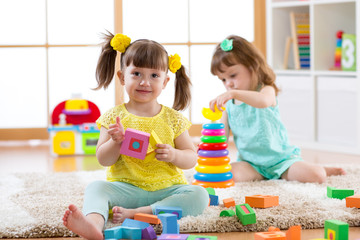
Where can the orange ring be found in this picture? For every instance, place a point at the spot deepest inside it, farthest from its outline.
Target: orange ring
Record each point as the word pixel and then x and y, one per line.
pixel 224 184
pixel 213 169
pixel 213 161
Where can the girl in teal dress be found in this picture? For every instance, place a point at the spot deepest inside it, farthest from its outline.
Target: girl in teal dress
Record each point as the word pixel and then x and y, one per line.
pixel 252 115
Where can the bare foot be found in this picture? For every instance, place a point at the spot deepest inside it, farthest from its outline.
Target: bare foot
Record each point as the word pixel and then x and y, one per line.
pixel 120 214
pixel 333 171
pixel 76 222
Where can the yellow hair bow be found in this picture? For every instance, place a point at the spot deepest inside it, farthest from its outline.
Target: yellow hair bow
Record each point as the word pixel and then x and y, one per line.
pixel 120 42
pixel 174 63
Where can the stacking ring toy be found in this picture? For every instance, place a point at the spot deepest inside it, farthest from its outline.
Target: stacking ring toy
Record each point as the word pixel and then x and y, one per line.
pixel 213 177
pixel 225 184
pixel 213 116
pixel 213 139
pixel 213 126
pixel 213 153
pixel 213 169
pixel 213 161
pixel 213 132
pixel 213 146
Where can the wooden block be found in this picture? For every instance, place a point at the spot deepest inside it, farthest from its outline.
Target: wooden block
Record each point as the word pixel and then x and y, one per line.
pixel 229 202
pixel 149 218
pixel 353 201
pixel 262 201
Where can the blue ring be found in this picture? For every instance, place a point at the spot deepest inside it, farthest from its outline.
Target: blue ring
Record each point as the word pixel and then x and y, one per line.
pixel 213 126
pixel 213 177
pixel 213 153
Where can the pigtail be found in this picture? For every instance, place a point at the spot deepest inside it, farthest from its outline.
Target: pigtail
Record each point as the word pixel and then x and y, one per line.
pixel 182 90
pixel 105 68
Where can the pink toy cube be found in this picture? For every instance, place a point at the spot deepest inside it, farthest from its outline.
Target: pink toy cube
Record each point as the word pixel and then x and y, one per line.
pixel 135 143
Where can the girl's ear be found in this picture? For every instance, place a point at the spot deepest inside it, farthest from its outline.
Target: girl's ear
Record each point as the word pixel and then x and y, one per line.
pixel 167 79
pixel 121 77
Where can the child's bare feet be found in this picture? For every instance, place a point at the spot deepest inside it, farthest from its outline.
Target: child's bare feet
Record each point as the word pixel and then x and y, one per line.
pixel 120 213
pixel 76 222
pixel 333 171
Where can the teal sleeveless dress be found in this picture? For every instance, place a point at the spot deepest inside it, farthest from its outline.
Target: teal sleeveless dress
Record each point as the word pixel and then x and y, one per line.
pixel 261 139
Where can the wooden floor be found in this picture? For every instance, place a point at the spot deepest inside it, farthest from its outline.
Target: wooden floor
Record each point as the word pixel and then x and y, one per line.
pixel 33 156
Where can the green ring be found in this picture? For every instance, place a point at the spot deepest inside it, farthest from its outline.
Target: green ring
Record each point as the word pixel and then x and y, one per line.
pixel 213 139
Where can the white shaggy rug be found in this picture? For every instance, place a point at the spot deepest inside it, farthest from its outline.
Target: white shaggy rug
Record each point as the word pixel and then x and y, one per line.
pixel 32 204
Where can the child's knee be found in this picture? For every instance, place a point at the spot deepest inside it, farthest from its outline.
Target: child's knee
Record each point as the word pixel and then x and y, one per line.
pixel 200 200
pixel 96 187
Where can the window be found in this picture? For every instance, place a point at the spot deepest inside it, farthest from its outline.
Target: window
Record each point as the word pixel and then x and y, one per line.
pixel 49 53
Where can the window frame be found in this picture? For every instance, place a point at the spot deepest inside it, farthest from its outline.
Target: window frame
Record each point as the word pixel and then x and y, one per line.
pixel 42 133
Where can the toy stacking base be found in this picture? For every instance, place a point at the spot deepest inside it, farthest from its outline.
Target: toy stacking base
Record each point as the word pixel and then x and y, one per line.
pixel 224 184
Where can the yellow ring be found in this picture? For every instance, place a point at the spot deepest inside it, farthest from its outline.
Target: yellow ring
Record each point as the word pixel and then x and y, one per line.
pixel 213 169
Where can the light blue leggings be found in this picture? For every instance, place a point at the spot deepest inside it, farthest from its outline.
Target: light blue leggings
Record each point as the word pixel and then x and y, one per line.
pixel 100 196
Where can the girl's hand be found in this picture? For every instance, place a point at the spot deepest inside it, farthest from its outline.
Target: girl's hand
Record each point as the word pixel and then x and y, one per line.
pixel 116 131
pixel 220 101
pixel 165 153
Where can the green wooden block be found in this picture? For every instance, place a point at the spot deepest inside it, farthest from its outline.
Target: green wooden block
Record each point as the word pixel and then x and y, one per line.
pixel 339 193
pixel 210 191
pixel 245 214
pixel 335 229
pixel 227 213
pixel 348 52
pixel 194 237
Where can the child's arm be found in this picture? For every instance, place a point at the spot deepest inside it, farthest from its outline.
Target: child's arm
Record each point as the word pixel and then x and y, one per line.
pixel 184 154
pixel 264 98
pixel 109 143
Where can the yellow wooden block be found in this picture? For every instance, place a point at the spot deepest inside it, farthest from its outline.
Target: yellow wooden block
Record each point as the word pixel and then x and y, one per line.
pixel 153 140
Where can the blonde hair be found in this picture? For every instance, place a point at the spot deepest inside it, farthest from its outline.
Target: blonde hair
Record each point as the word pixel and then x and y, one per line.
pixel 245 53
pixel 142 53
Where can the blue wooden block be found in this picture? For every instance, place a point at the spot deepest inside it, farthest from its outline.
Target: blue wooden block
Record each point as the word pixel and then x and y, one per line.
pixel 174 210
pixel 113 233
pixel 134 223
pixel 214 200
pixel 169 223
pixel 131 232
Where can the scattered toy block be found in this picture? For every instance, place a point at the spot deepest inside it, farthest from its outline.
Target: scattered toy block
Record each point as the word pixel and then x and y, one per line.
pixel 134 223
pixel 339 193
pixel 294 233
pixel 229 202
pixel 113 233
pixel 135 143
pixel 131 232
pixel 227 213
pixel 274 235
pixel 173 236
pixel 153 140
pixel 353 201
pixel 174 210
pixel 210 190
pixel 201 237
pixel 169 223
pixel 337 230
pixel 148 233
pixel 245 214
pixel 273 229
pixel 149 218
pixel 262 201
pixel 214 200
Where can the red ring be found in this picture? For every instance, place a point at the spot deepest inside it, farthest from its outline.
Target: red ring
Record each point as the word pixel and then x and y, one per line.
pixel 213 146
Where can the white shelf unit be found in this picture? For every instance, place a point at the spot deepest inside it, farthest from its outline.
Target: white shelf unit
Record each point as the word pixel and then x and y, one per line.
pixel 320 107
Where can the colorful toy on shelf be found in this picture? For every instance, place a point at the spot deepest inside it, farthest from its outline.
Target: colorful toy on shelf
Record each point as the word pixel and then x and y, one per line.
pixel 300 39
pixel 73 129
pixel 337 60
pixel 213 169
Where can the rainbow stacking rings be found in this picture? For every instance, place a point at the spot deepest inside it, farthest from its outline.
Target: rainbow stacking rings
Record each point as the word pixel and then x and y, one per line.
pixel 213 161
pixel 213 146
pixel 213 132
pixel 213 169
pixel 213 177
pixel 213 139
pixel 213 126
pixel 213 153
pixel 225 184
